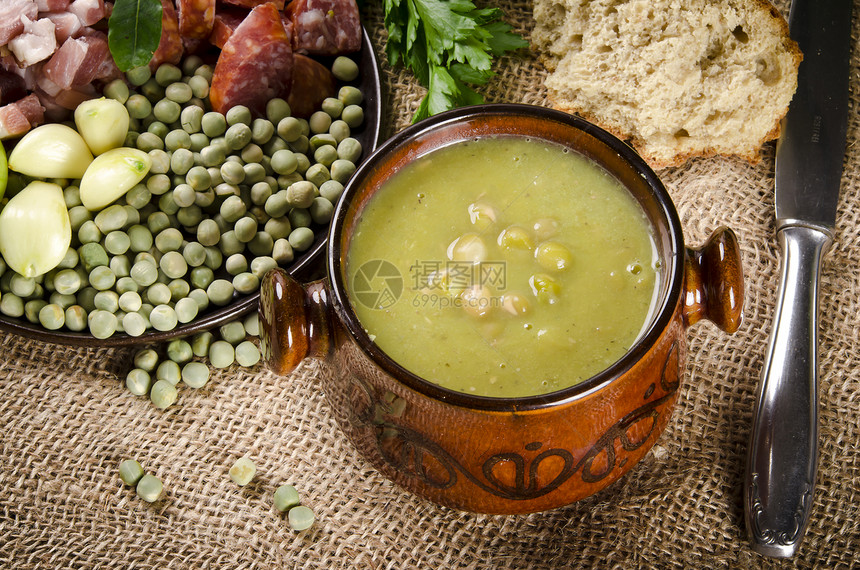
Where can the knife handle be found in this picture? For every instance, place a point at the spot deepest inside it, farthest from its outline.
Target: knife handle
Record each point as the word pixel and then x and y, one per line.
pixel 782 455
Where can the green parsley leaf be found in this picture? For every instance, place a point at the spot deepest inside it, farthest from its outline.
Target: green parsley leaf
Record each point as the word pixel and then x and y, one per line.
pixel 449 45
pixel 134 32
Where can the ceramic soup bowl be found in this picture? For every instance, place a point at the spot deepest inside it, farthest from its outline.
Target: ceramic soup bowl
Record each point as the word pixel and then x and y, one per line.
pixel 503 454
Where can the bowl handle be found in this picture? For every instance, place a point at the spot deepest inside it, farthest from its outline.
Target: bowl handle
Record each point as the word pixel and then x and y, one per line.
pixel 294 321
pixel 713 287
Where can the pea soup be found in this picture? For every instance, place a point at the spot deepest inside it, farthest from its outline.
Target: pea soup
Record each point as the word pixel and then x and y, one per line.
pixel 504 267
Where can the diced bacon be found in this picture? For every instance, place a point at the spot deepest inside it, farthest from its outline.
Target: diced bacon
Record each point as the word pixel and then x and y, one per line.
pixel 88 11
pixel 71 98
pixel 12 16
pixel 53 111
pixel 325 27
pixel 251 4
pixel 52 5
pixel 44 83
pixel 12 87
pixel 170 47
pixel 36 43
pixel 66 25
pixel 78 61
pixel 32 109
pixel 13 123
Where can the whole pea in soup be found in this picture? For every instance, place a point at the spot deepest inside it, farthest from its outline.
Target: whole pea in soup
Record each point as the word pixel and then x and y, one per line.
pixel 503 267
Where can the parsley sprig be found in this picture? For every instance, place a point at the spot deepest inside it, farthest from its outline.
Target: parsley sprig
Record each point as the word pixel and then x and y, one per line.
pixel 449 45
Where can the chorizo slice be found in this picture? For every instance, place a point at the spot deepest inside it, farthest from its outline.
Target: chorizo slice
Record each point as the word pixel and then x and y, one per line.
pixel 255 65
pixel 312 83
pixel 196 18
pixel 325 27
pixel 170 48
pixel 251 4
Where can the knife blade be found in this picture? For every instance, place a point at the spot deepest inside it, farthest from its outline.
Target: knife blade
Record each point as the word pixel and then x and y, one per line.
pixel 782 455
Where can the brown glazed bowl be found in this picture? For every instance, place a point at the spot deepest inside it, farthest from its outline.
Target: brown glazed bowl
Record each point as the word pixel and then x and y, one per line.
pixel 496 455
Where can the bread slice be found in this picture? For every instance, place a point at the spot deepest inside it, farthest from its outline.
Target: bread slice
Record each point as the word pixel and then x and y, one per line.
pixel 675 78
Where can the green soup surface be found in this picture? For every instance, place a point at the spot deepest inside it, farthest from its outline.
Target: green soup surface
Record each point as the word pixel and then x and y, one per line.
pixel 504 267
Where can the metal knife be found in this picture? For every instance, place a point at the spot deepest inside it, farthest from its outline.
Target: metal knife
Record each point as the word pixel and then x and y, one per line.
pixel 782 456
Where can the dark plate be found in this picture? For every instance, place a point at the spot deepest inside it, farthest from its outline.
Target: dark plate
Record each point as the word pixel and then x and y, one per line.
pixel 367 134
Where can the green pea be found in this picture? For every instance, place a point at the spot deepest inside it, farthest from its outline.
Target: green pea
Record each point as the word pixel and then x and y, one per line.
pixel 184 195
pixel 72 196
pixel 261 244
pixel 238 114
pixel 85 299
pixel 140 238
pixel 76 318
pixel 52 316
pixel 289 129
pixel 63 301
pixel 195 374
pixel 232 172
pixel 102 278
pixel 545 288
pixel 319 122
pixel 130 471
pixel 89 233
pixel 67 281
pixel 278 228
pixel 168 111
pixel 102 324
pixel 199 86
pixel 220 292
pixel 169 239
pixel 117 242
pixel 321 210
pixel 286 497
pixel 300 518
pixel 553 256
pixel 213 124
pixel 134 324
pixel 159 184
pixel 130 301
pixel 199 141
pixel 179 289
pixel 254 172
pixel 158 129
pixel 277 204
pixel 181 161
pixel 247 354
pixel 137 76
pixel 107 301
pixel 69 261
pixel 300 218
pixel 246 229
pixel 353 115
pixel 237 136
pixel 242 471
pixel 147 359
pixel 214 258
pixel 262 130
pixel 167 73
pixel 221 354
pixel 194 254
pixel 186 309
pixel 77 216
pixel 301 238
pixel 160 165
pixel 339 130
pixel 260 192
pixel 236 264
pixel 32 309
pixel 277 109
pixel 331 190
pixel 325 155
pixel 138 106
pixel 318 174
pixel 350 95
pixel 179 92
pixel 201 342
pixel 176 139
pixel 341 170
pixel 163 394
pixel 301 194
pixel 252 153
pixel 349 149
pixel 163 318
pixel 252 324
pixel 138 382
pixel 125 284
pixel 158 294
pixel 344 68
pixel 169 371
pixel 173 264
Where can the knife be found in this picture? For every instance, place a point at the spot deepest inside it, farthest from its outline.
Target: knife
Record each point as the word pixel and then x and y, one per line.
pixel 782 455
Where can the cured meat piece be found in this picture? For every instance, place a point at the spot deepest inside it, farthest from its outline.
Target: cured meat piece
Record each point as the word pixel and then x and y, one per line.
pixel 312 83
pixel 12 87
pixel 36 43
pixel 71 98
pixel 325 27
pixel 251 4
pixel 255 65
pixel 66 25
pixel 88 11
pixel 170 47
pixel 196 18
pixel 228 19
pixel 52 5
pixel 20 116
pixel 78 61
pixel 12 14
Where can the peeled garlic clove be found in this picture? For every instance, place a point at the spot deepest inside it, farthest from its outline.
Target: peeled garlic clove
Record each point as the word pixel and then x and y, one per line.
pixel 35 232
pixel 103 124
pixel 111 175
pixel 51 151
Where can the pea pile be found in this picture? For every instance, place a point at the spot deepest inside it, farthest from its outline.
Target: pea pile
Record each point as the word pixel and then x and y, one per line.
pixel 157 376
pixel 227 198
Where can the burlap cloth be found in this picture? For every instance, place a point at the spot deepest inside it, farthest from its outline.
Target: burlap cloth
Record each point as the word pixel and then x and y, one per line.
pixel 66 420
